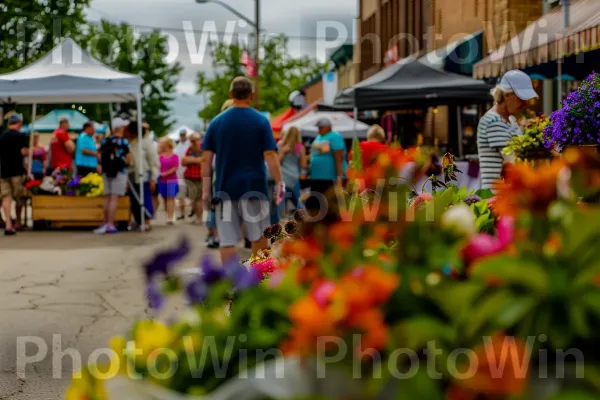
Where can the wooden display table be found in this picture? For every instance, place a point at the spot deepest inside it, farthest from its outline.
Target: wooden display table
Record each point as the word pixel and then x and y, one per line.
pixel 74 211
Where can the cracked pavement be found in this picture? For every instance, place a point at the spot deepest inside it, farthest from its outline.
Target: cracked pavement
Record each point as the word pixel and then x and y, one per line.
pixel 64 290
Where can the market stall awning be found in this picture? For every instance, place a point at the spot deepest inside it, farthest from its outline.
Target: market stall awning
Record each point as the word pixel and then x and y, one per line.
pixel 67 74
pixel 458 56
pixel 547 40
pixel 50 121
pixel 410 83
pixel 278 121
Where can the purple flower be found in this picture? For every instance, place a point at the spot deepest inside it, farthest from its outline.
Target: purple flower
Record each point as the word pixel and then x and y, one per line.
pixel 472 199
pixel 211 271
pixel 196 290
pixel 163 261
pixel 241 277
pixel 154 296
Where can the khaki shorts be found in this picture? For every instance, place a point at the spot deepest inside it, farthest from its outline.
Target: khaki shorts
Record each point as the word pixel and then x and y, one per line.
pixel 254 214
pixel 194 189
pixel 12 187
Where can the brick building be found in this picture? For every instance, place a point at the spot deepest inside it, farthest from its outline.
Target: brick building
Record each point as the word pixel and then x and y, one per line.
pixel 389 30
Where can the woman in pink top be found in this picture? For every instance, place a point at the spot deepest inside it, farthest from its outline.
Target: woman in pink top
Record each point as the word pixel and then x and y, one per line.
pixel 167 182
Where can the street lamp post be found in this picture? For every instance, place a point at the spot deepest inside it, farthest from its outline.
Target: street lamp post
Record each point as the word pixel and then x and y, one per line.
pixel 256 25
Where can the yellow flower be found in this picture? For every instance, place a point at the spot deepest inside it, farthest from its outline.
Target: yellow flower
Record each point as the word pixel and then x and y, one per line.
pixel 149 336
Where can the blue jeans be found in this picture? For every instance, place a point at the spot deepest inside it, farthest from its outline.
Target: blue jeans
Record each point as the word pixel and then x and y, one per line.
pixel 211 220
pixel 290 194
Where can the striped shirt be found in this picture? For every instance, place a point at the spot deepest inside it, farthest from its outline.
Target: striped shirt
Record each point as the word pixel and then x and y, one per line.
pixel 493 133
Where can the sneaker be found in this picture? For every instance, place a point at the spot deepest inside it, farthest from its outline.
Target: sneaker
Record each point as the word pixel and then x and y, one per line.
pixel 111 230
pixel 181 218
pixel 101 230
pixel 212 243
pixel 170 222
pixel 192 213
pixel 10 233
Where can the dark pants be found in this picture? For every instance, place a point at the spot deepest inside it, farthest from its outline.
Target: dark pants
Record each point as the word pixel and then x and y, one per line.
pixel 319 189
pixel 85 171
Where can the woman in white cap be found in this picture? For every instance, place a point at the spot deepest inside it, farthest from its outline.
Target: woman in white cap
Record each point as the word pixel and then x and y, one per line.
pixel 496 128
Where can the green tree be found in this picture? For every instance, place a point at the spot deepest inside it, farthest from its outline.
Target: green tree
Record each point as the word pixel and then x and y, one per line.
pixel 143 54
pixel 280 75
pixel 30 28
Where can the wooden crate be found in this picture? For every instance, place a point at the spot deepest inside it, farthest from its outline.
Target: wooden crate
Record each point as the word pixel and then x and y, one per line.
pixel 71 211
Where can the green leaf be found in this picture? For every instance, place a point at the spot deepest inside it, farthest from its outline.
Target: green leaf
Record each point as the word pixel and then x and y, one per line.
pixel 486 310
pixel 420 386
pixel 482 221
pixel 455 298
pixel 581 230
pixel 574 395
pixel 586 277
pixel 514 312
pixel 579 321
pixel 415 333
pixel 485 194
pixel 592 301
pixel 514 271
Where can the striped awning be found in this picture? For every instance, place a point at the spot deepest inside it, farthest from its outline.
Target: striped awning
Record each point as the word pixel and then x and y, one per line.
pixel 547 40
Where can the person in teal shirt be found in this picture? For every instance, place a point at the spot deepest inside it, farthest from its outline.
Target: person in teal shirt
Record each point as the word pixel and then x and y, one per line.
pixel 327 164
pixel 328 154
pixel 86 153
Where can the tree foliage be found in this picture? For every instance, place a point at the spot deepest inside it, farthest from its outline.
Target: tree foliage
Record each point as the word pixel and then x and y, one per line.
pixel 280 74
pixel 30 28
pixel 143 54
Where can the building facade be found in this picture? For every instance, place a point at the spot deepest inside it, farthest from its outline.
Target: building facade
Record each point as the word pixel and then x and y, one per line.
pixel 389 30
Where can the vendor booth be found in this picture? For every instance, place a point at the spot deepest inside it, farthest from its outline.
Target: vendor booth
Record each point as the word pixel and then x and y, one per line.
pixel 342 123
pixel 67 74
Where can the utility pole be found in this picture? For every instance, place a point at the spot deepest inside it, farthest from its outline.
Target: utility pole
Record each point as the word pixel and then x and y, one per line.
pixel 257 56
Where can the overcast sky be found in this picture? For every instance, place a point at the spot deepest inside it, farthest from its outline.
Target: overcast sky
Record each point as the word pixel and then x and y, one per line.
pixel 292 17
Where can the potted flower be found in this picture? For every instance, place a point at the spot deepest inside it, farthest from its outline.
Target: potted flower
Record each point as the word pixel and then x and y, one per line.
pixel 577 123
pixel 530 146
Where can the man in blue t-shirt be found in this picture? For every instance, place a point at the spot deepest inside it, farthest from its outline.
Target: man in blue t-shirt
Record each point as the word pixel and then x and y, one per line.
pixel 327 163
pixel 86 154
pixel 242 140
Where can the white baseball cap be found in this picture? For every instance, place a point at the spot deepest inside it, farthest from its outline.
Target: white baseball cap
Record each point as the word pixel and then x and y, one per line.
pixel 518 82
pixel 119 123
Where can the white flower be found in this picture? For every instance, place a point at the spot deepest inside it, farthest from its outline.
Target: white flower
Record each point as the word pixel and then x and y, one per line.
pixel 461 219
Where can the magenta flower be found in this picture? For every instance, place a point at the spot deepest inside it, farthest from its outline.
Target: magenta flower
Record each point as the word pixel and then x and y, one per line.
pixel 323 292
pixel 484 245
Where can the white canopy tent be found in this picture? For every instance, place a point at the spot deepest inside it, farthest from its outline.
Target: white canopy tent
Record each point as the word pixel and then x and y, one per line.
pixel 68 74
pixel 342 123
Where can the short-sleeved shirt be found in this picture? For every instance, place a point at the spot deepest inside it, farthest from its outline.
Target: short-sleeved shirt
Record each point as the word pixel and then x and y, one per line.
pixel 59 157
pixel 193 172
pixel 322 160
pixel 11 158
pixel 122 148
pixel 168 163
pixel 239 137
pixel 85 142
pixel 493 134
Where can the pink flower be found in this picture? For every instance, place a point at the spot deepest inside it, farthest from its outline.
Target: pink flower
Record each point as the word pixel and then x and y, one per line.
pixel 484 245
pixel 265 268
pixel 323 293
pixel 422 198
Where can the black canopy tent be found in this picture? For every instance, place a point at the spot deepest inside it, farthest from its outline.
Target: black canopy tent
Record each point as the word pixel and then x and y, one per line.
pixel 413 84
pixel 410 83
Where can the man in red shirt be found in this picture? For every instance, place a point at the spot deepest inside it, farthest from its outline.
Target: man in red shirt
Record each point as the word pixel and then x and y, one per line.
pixel 62 146
pixel 192 161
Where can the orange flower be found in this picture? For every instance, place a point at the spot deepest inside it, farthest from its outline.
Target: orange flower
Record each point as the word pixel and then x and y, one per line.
pixel 343 234
pixel 375 333
pixel 501 368
pixel 527 189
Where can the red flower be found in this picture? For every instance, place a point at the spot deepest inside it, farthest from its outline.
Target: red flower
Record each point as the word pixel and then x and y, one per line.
pixel 33 184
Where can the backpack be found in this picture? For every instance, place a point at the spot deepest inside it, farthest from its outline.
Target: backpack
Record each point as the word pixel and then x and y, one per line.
pixel 111 163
